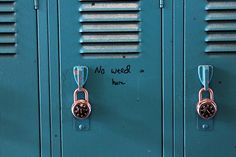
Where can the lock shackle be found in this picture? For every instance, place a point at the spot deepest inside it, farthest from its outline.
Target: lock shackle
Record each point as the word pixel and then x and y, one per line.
pixel 204 90
pixel 77 91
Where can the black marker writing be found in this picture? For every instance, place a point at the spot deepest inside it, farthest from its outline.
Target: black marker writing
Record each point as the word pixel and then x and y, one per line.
pixel 125 70
pixel 99 70
pixel 117 83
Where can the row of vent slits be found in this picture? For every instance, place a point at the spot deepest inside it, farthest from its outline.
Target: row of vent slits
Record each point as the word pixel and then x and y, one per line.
pixel 109 27
pixel 221 28
pixel 7 27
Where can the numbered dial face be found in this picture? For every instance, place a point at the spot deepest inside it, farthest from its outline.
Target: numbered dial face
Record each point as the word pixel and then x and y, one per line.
pixel 81 110
pixel 207 110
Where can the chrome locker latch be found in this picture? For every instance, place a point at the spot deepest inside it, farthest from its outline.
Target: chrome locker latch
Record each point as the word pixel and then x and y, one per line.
pixel 161 3
pixel 80 75
pixel 205 74
pixel 36 4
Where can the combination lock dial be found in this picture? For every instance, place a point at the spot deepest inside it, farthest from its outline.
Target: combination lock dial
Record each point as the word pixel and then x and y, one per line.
pixel 207 109
pixel 81 109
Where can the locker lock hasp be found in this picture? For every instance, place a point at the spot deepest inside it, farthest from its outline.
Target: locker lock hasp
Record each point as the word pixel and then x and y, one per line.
pixel 206 107
pixel 81 108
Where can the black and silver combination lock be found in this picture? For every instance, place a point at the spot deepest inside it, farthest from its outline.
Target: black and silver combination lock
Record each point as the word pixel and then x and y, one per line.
pixel 81 108
pixel 206 107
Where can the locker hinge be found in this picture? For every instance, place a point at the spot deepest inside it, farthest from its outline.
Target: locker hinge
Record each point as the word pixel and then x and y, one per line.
pixel 36 4
pixel 161 4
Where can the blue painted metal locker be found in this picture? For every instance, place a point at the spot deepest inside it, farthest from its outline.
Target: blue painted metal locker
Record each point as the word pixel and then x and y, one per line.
pixel 84 78
pixel 19 88
pixel 124 80
pixel 210 39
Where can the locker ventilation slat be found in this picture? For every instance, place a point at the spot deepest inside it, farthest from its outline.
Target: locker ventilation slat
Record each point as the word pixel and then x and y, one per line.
pixel 221 26
pixel 7 27
pixel 109 27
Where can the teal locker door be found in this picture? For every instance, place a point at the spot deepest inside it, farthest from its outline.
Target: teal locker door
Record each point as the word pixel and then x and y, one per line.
pixel 210 39
pixel 108 36
pixel 19 122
